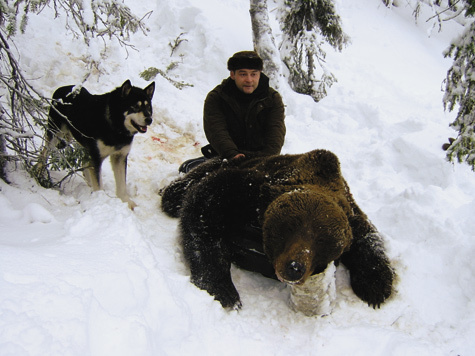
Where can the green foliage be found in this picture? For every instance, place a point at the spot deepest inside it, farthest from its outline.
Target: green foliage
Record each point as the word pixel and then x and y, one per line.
pixel 73 156
pixel 176 43
pixel 14 14
pixel 69 159
pixel 152 72
pixel 314 15
pixel 470 8
pixel 460 80
pixel 306 25
pixel 460 90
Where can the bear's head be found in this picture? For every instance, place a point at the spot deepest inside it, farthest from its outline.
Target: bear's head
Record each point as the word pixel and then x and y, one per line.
pixel 303 231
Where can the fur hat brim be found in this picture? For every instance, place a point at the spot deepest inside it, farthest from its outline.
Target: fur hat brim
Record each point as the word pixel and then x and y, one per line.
pixel 245 60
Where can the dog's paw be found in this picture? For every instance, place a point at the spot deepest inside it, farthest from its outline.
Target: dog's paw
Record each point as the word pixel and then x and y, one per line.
pixel 126 199
pixel 130 203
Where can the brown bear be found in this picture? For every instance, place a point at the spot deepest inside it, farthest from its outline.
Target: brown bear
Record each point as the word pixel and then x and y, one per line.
pixel 285 216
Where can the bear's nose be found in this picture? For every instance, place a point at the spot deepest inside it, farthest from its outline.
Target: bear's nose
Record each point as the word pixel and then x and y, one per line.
pixel 295 270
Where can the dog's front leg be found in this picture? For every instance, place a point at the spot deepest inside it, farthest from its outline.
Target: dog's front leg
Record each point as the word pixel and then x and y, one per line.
pixel 119 166
pixel 92 173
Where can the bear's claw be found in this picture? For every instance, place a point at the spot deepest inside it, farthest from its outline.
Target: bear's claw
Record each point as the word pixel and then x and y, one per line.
pixel 228 299
pixel 223 291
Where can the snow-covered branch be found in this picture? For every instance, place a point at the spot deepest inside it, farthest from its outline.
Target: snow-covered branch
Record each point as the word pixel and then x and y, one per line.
pixel 460 90
pixel 306 25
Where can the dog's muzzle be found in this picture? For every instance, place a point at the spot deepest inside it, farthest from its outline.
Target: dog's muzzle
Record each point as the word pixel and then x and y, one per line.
pixel 142 128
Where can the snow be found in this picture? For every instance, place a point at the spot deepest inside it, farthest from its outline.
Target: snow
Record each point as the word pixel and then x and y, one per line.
pixel 81 274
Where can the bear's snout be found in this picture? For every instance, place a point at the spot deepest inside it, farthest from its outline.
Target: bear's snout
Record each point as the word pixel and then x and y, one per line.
pixel 294 271
pixel 294 268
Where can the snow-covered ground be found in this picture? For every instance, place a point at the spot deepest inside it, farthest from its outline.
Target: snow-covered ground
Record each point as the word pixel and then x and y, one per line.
pixel 81 274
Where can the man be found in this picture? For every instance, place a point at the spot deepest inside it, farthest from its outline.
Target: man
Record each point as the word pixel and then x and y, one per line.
pixel 242 114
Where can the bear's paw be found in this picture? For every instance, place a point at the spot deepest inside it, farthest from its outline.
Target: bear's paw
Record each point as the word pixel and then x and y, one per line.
pixel 223 291
pixel 372 276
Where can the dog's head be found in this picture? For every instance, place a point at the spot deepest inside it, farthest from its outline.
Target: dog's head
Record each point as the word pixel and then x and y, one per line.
pixel 138 106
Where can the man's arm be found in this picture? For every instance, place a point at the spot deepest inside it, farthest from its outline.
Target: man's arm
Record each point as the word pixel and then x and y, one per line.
pixel 275 126
pixel 216 130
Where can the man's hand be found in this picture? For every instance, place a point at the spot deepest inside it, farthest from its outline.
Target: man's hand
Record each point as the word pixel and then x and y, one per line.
pixel 239 155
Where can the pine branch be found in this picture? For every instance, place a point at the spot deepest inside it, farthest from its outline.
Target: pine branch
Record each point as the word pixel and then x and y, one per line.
pixel 460 90
pixel 306 24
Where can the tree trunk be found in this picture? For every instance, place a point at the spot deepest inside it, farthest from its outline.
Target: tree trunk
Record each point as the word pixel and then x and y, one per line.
pixel 3 161
pixel 264 43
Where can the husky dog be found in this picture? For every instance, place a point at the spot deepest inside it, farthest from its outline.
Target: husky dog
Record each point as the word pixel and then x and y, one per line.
pixel 104 125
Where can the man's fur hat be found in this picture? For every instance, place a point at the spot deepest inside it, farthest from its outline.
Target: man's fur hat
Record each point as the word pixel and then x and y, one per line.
pixel 245 60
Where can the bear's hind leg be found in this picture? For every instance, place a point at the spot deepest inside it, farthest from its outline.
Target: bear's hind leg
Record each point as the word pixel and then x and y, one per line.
pixel 173 194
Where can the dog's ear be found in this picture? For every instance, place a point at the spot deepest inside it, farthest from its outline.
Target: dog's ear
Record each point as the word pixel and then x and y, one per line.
pixel 126 88
pixel 150 90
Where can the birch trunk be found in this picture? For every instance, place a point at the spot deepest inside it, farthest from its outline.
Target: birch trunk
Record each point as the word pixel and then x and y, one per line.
pixel 264 43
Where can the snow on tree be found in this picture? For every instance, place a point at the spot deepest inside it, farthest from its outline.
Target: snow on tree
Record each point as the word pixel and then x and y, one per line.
pixel 460 80
pixel 306 26
pixel 264 42
pixel 460 90
pixel 22 109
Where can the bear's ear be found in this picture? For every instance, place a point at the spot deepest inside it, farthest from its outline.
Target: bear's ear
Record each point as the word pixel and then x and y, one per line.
pixel 323 163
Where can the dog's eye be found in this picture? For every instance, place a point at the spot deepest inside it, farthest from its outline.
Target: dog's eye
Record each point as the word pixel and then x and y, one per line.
pixel 135 108
pixel 140 106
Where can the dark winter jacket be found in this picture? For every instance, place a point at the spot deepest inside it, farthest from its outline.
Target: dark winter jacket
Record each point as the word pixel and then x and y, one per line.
pixel 235 122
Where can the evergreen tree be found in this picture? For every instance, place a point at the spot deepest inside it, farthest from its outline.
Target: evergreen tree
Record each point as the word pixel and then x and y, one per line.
pixel 306 25
pixel 460 90
pixel 460 80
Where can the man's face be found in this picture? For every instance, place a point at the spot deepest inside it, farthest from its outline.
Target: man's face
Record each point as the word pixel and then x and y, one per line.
pixel 246 80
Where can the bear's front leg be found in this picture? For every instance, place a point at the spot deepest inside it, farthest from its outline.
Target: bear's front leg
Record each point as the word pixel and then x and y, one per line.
pixel 371 274
pixel 213 208
pixel 219 204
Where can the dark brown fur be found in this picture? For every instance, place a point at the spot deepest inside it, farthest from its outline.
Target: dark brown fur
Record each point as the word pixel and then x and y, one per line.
pixel 286 216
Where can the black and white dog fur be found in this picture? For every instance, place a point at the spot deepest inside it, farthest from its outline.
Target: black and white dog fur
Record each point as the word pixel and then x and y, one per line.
pixel 104 125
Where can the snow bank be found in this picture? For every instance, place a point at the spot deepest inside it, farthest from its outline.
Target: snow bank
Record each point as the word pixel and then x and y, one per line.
pixel 81 274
